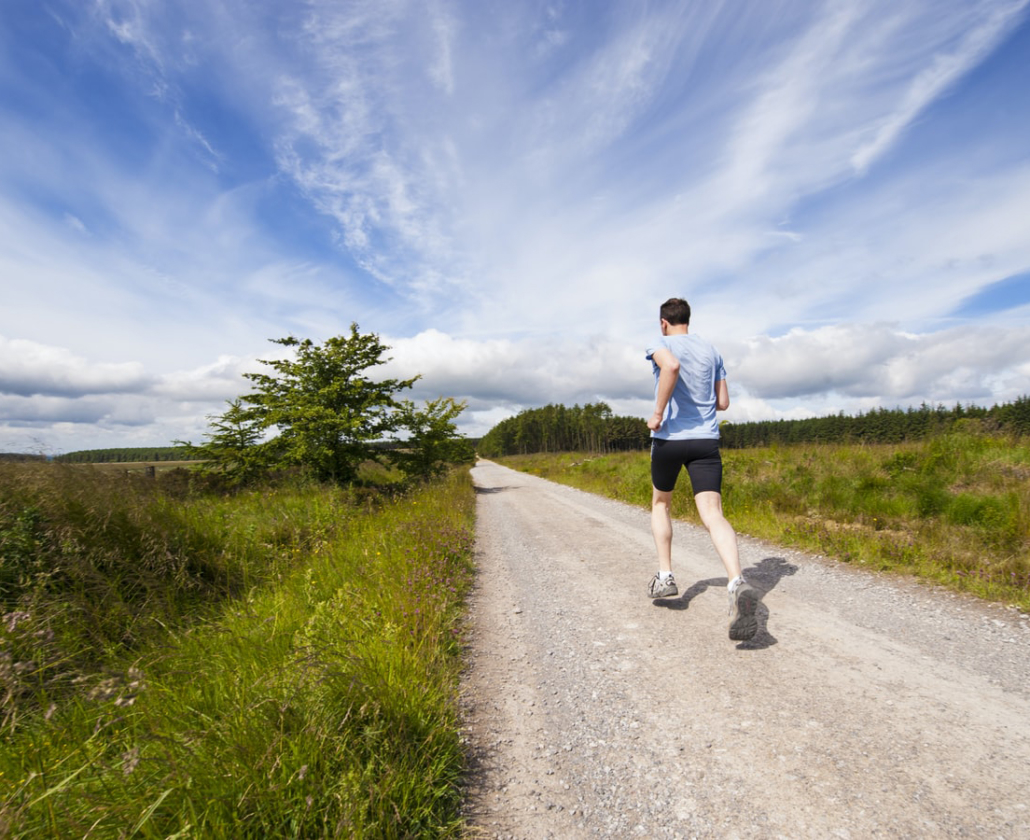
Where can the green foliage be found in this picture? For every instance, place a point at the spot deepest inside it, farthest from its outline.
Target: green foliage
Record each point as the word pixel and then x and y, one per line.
pixel 592 428
pixel 19 537
pixel 233 447
pixel 93 562
pixel 75 533
pixel 1014 417
pixel 327 410
pixel 331 418
pixel 433 441
pixel 555 428
pixel 930 500
pixel 320 702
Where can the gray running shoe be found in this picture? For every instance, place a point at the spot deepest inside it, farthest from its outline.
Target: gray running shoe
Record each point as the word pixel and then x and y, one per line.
pixel 659 588
pixel 743 603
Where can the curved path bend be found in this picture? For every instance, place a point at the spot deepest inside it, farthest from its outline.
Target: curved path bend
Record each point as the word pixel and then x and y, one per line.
pixel 866 706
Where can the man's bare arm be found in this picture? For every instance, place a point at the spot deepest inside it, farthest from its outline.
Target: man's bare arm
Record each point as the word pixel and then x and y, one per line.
pixel 722 395
pixel 669 368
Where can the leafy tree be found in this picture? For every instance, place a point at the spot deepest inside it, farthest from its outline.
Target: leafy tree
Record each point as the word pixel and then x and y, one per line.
pixel 433 440
pixel 330 416
pixel 234 446
pixel 327 410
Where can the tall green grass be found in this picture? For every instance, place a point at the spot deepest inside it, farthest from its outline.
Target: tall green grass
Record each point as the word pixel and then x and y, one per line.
pixel 303 686
pixel 954 509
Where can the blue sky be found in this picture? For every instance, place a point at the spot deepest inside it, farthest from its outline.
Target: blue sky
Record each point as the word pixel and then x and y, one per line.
pixel 505 192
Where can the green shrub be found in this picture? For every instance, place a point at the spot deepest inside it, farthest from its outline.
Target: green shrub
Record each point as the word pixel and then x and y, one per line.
pixel 931 500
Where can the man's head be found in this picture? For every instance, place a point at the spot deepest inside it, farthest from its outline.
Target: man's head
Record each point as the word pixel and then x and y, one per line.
pixel 676 311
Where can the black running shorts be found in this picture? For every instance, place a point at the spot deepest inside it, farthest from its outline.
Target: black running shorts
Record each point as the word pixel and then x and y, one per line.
pixel 701 458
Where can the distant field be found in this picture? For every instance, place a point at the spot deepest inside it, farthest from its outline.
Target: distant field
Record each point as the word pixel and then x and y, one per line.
pixel 140 466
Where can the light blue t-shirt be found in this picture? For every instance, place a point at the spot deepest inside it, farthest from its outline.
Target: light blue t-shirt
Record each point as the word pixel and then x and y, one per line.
pixel 691 411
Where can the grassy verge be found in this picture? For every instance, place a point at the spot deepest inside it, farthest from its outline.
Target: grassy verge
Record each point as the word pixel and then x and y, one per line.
pixel 312 695
pixel 955 509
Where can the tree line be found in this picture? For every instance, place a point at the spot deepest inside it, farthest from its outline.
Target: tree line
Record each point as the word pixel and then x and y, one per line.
pixel 125 455
pixel 556 428
pixel 593 428
pixel 881 425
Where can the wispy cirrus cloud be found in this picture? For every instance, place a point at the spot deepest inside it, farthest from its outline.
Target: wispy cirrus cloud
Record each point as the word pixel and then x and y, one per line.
pixel 353 138
pixel 508 191
pixel 157 40
pixel 974 38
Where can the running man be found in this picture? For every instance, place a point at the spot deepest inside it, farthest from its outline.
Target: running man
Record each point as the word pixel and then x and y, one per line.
pixel 690 387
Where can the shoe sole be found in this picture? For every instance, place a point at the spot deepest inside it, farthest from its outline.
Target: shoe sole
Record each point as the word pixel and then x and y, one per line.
pixel 744 623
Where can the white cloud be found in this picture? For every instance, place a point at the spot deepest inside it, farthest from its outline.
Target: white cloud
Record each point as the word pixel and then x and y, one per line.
pixel 126 20
pixel 942 71
pixel 849 367
pixel 20 411
pixel 513 191
pixel 75 223
pixel 878 362
pixel 221 380
pixel 444 29
pixel 29 369
pixel 475 424
pixel 156 39
pixel 353 134
pixel 52 425
pixel 518 372
pixel 804 373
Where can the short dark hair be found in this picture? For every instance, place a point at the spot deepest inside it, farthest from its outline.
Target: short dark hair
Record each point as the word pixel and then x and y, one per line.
pixel 675 311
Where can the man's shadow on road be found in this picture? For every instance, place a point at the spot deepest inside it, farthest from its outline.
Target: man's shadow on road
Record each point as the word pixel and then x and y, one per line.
pixel 489 490
pixel 763 576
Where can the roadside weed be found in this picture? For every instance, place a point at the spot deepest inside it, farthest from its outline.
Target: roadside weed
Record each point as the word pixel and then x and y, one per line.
pixel 315 696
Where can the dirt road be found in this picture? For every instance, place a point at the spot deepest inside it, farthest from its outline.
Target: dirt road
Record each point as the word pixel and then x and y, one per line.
pixel 865 706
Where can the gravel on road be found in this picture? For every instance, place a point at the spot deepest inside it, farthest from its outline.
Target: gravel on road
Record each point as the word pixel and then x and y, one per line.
pixel 866 706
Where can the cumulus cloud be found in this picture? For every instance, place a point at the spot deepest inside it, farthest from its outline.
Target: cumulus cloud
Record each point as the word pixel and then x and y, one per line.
pixel 28 368
pixel 510 194
pixel 44 387
pixel 806 372
pixel 527 372
pixel 47 410
pixel 52 425
pixel 881 363
pixel 221 380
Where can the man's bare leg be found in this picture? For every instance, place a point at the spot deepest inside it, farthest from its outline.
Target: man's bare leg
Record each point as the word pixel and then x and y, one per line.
pixel 743 597
pixel 661 527
pixel 724 538
pixel 662 585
